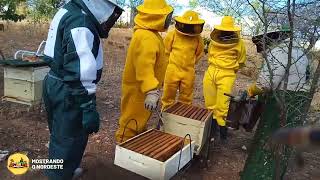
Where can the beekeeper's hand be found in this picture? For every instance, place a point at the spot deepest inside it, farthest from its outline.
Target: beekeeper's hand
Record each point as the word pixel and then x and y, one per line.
pixel 237 98
pixel 151 101
pixel 242 96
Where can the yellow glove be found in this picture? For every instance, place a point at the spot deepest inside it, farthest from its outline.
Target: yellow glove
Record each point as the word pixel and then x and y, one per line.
pixel 254 90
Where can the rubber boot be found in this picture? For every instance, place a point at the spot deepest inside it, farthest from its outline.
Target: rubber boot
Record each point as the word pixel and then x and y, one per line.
pixel 214 130
pixel 223 134
pixel 77 173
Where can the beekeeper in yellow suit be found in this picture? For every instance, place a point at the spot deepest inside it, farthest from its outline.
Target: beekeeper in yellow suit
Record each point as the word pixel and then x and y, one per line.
pixel 227 54
pixel 185 46
pixel 145 68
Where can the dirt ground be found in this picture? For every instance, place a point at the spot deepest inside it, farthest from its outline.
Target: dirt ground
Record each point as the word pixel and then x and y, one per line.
pixel 24 129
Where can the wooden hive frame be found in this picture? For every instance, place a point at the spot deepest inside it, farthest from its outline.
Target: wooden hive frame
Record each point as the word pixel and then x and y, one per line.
pixel 154 154
pixel 156 144
pixel 181 119
pixel 24 84
pixel 188 111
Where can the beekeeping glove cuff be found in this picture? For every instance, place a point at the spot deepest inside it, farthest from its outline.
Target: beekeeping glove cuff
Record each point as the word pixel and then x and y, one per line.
pixel 151 101
pixel 90 117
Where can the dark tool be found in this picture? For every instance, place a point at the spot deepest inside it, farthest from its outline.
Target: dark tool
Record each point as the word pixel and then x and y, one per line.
pixel 160 121
pixel 243 111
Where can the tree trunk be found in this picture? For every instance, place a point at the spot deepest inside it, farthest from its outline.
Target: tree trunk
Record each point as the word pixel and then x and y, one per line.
pixel 8 23
pixel 261 161
pixel 2 55
pixel 313 88
pixel 133 14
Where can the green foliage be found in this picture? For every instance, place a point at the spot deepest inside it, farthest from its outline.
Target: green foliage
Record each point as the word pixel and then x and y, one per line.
pixel 121 2
pixel 36 9
pixel 135 3
pixel 193 4
pixel 43 9
pixel 8 10
pixel 261 162
pixel 233 8
pixel 206 42
pixel 121 24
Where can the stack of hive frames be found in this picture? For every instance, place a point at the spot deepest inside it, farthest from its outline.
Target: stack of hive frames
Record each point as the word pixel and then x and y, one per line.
pixel 23 85
pixel 181 119
pixel 155 144
pixel 189 111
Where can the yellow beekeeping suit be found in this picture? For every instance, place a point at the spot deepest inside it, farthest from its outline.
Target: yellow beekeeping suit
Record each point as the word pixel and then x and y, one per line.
pixel 145 67
pixel 224 61
pixel 185 51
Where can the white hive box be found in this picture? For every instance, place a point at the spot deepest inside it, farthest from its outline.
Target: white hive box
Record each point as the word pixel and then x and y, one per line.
pixel 141 158
pixel 24 84
pixel 181 119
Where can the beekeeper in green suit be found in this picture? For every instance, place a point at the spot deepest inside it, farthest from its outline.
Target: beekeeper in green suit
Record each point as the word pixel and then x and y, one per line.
pixel 74 53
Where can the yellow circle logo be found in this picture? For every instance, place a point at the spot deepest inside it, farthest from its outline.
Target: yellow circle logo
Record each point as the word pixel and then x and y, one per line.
pixel 18 163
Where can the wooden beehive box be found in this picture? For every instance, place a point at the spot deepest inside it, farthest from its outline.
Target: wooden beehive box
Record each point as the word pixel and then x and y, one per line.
pixel 154 154
pixel 24 84
pixel 181 119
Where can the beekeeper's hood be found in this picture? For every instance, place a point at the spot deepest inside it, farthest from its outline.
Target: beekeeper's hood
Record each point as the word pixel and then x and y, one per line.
pixel 106 12
pixel 189 23
pixel 154 15
pixel 227 32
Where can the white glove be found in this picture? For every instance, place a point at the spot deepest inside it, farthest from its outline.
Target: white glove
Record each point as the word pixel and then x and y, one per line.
pixel 237 98
pixel 151 101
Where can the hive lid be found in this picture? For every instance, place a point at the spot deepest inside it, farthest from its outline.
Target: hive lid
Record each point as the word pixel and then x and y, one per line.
pixel 20 63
